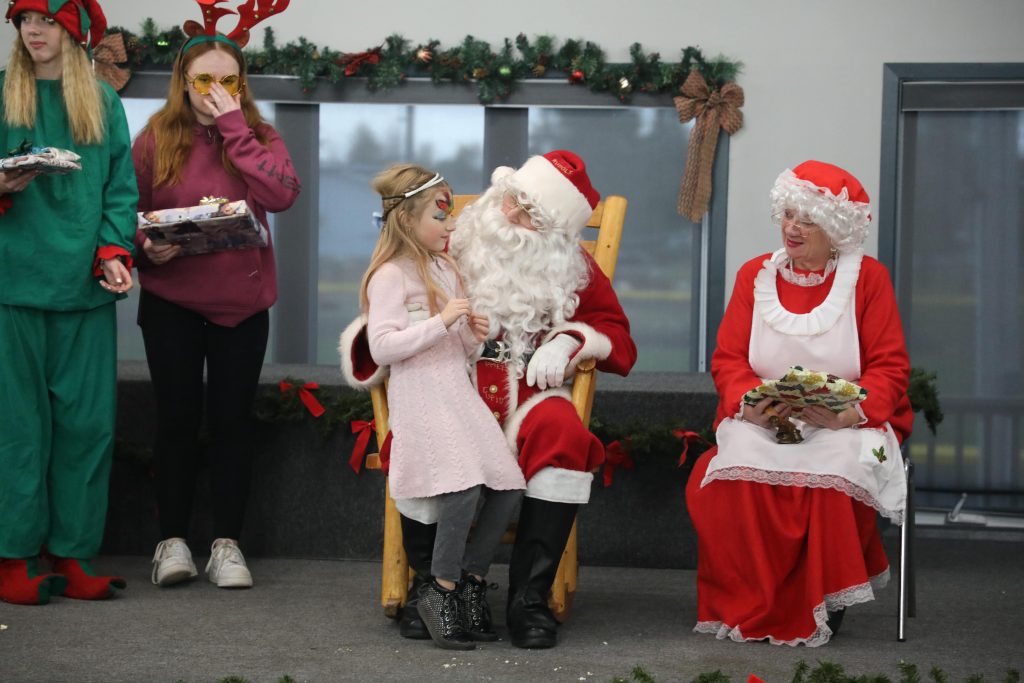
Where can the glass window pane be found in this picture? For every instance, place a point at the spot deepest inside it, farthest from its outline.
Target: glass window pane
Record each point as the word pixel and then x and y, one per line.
pixel 639 153
pixel 129 337
pixel 356 142
pixel 964 229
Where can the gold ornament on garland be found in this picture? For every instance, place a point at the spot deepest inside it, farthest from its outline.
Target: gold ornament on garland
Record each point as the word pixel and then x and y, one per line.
pixel 424 55
pixel 713 110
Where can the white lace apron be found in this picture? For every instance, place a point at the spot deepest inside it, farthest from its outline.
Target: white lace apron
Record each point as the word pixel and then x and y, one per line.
pixel 862 463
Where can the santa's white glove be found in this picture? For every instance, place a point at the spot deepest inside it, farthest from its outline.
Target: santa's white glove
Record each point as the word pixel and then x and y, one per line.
pixel 547 367
pixel 417 313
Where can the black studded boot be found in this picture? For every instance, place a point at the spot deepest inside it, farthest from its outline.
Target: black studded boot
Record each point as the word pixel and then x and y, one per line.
pixel 835 620
pixel 541 535
pixel 476 613
pixel 441 611
pixel 418 541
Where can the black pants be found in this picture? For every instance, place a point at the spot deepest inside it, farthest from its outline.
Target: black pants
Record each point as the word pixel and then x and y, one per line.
pixel 179 343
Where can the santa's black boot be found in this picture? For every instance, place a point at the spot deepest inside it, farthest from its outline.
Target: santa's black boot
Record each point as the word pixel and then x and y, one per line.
pixel 418 541
pixel 541 535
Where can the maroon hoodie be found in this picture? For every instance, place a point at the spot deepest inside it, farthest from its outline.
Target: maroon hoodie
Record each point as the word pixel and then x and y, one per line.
pixel 229 286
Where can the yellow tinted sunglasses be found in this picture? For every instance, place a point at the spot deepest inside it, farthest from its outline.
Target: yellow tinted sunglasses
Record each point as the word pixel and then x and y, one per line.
pixel 203 82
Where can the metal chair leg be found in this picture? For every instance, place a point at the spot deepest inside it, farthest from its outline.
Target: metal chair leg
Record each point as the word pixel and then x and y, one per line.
pixel 907 596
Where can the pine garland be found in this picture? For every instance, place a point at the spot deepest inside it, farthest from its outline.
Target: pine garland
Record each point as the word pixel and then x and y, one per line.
pixel 495 73
pixel 924 396
pixel 828 672
pixel 342 406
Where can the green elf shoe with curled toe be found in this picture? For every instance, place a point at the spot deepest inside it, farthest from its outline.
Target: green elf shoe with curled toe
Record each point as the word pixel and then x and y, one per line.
pixel 21 582
pixel 83 582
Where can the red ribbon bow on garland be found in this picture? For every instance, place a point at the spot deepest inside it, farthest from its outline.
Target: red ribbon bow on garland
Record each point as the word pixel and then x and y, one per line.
pixel 352 61
pixel 305 395
pixel 687 438
pixel 616 455
pixel 365 430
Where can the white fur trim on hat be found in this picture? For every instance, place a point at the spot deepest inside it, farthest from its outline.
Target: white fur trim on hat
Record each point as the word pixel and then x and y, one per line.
pixel 346 344
pixel 845 221
pixel 544 185
pixel 558 485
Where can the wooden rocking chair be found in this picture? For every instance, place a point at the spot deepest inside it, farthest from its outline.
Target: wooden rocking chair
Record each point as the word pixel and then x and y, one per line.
pixel 608 218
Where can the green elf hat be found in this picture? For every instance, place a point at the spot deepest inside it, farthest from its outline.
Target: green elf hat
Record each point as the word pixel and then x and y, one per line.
pixel 83 19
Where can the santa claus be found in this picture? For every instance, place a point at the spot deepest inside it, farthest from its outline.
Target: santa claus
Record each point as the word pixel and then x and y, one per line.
pixel 550 307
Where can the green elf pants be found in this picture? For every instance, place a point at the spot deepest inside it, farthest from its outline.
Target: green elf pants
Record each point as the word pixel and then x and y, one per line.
pixel 58 379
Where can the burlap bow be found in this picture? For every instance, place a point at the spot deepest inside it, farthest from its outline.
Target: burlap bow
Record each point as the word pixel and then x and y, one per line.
pixel 713 110
pixel 106 56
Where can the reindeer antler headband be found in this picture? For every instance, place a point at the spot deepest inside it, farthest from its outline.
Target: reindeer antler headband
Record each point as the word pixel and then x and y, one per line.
pixel 249 14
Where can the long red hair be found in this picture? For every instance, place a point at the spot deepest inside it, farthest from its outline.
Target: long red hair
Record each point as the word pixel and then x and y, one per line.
pixel 172 125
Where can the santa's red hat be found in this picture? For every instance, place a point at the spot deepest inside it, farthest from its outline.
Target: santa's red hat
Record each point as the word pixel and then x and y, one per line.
pixel 557 184
pixel 83 19
pixel 827 195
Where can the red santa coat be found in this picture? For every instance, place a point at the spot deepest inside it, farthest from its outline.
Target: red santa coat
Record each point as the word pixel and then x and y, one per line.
pixel 773 559
pixel 556 452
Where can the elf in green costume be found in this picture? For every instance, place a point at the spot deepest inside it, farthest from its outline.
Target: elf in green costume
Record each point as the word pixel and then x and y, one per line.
pixel 65 246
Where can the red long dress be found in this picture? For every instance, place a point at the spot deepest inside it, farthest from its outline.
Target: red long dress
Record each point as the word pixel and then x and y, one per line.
pixel 772 558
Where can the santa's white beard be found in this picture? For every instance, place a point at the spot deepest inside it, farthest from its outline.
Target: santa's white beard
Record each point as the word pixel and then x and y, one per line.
pixel 524 281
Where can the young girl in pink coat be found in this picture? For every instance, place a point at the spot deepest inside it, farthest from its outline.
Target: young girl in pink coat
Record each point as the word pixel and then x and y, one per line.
pixel 448 451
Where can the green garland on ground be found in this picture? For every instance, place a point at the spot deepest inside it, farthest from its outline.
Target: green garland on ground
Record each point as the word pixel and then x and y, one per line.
pixel 824 672
pixel 496 73
pixel 830 672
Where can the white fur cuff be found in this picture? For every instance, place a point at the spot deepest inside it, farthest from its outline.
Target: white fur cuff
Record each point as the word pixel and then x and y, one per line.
pixel 346 344
pixel 557 485
pixel 595 344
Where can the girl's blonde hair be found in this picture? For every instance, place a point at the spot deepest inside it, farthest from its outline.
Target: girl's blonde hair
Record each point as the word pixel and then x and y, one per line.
pixel 172 125
pixel 396 234
pixel 83 97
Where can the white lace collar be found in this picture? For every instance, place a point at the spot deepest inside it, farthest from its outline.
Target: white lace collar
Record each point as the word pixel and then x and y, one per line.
pixel 820 319
pixel 810 279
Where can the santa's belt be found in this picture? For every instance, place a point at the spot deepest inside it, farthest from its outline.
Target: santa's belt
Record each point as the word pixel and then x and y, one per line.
pixel 500 352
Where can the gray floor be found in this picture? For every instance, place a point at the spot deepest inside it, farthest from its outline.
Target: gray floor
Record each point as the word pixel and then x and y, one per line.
pixel 320 621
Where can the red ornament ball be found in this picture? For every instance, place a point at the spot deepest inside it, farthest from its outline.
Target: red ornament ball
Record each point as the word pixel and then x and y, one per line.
pixel 576 76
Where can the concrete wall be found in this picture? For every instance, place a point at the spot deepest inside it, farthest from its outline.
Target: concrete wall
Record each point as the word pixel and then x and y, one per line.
pixel 813 74
pixel 307 502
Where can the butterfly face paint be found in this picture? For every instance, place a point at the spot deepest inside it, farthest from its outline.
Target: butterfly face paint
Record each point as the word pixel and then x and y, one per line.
pixel 445 207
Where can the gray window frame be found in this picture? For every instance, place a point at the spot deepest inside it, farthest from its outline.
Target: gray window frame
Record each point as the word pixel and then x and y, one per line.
pixel 931 87
pixel 505 143
pixel 908 88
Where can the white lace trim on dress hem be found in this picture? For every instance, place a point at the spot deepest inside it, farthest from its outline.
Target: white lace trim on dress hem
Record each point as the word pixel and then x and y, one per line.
pixel 854 595
pixel 806 480
pixel 720 630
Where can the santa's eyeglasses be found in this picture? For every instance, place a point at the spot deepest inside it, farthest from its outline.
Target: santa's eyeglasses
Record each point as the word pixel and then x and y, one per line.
pixel 510 204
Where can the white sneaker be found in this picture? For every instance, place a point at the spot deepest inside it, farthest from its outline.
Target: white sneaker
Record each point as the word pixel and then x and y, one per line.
pixel 172 563
pixel 226 567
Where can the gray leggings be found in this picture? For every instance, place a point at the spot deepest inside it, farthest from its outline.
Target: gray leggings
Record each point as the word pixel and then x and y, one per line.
pixel 452 552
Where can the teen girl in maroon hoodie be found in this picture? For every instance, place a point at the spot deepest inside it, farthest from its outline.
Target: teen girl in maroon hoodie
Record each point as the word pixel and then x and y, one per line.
pixel 208 140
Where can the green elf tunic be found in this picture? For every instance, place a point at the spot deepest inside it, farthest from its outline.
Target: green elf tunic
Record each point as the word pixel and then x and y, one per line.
pixel 58 342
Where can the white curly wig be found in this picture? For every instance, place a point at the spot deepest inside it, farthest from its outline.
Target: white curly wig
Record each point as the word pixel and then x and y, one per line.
pixel 828 196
